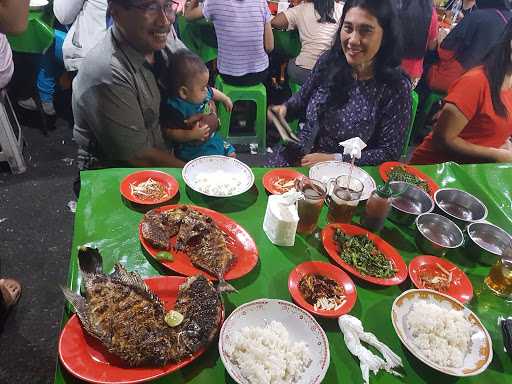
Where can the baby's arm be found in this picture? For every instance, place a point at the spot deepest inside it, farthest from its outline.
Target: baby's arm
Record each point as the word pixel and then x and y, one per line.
pixel 221 97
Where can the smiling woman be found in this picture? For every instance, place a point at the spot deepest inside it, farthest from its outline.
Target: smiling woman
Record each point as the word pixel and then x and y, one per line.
pixel 355 89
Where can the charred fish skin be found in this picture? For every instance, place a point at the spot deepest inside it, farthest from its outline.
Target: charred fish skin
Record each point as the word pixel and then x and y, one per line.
pixel 158 227
pixel 129 320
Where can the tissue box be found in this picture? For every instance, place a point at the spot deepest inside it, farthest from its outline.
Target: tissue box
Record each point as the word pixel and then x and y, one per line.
pixel 281 219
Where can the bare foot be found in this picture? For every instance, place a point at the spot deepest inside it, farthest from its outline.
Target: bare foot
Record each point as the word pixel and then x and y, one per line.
pixel 11 291
pixel 232 154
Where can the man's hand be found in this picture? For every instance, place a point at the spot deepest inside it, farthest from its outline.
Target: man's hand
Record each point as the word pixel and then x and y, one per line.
pixel 313 158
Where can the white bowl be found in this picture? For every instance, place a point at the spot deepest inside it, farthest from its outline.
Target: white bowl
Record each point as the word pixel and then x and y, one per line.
pixel 328 171
pixel 301 326
pixel 218 176
pixel 480 352
pixel 38 4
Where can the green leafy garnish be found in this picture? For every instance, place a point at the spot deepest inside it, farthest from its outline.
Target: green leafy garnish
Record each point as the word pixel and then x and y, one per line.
pixel 399 173
pixel 361 253
pixel 164 255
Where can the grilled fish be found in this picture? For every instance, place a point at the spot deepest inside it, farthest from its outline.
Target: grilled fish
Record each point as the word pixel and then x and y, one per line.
pixel 203 242
pixel 129 320
pixel 159 227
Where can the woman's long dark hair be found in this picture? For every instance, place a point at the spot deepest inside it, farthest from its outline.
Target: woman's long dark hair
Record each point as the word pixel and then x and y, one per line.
pixel 338 72
pixel 325 9
pixel 496 65
pixel 415 16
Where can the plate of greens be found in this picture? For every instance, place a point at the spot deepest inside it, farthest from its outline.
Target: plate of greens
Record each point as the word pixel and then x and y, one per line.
pixel 364 254
pixel 395 171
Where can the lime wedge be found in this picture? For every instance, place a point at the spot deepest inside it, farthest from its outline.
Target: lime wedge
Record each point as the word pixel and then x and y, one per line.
pixel 173 318
pixel 164 255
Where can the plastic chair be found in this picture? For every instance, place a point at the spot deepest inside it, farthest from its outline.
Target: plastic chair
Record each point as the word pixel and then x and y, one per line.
pixel 256 93
pixel 415 101
pixel 11 144
pixel 190 35
pixel 431 99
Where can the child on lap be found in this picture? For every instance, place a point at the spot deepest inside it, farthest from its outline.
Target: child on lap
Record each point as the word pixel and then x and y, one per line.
pixel 191 95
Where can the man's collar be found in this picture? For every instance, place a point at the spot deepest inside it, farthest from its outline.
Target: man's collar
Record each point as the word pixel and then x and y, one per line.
pixel 137 59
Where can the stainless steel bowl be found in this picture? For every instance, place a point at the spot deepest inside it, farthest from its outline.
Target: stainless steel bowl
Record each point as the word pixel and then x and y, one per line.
pixel 436 234
pixel 459 206
pixel 486 242
pixel 410 201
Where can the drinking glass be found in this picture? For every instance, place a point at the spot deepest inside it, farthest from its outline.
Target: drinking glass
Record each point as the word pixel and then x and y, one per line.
pixel 310 207
pixel 344 199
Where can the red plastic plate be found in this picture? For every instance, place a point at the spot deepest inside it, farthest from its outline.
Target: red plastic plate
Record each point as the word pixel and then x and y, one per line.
pixel 274 175
pixel 239 242
pixel 460 289
pixel 170 184
pixel 327 270
pixel 387 249
pixel 386 167
pixel 86 358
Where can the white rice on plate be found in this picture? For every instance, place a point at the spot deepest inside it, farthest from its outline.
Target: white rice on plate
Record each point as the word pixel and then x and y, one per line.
pixel 266 355
pixel 442 335
pixel 218 183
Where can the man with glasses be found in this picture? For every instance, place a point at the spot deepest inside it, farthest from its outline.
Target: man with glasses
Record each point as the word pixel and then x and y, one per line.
pixel 116 95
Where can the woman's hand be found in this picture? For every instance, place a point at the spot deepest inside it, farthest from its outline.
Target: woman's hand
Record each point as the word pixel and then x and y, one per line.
pixel 279 110
pixel 313 158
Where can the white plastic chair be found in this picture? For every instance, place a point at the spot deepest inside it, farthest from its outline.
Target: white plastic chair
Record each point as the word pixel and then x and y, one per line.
pixel 11 144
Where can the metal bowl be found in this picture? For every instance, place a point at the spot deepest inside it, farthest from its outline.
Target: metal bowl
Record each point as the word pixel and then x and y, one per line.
pixel 486 242
pixel 436 234
pixel 460 206
pixel 410 201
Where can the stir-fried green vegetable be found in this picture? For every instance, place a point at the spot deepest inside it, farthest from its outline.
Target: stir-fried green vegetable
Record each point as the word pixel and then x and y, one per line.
pixel 399 173
pixel 360 252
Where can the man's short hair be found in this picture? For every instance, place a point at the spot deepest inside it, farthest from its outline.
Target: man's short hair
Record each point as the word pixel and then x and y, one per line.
pixel 185 65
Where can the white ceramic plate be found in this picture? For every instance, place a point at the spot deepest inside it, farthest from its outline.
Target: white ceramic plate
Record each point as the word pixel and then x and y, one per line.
pixel 480 354
pixel 301 326
pixel 328 171
pixel 218 176
pixel 38 4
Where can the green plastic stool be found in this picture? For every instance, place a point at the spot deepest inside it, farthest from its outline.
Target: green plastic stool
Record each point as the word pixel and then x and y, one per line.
pixel 415 101
pixel 256 93
pixel 190 35
pixel 294 87
pixel 432 98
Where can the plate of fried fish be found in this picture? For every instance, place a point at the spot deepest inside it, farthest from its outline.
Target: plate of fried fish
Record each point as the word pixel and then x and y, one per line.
pixel 198 240
pixel 130 330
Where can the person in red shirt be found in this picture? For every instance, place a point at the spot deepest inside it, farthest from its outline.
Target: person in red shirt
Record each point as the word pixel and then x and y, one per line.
pixel 475 123
pixel 420 27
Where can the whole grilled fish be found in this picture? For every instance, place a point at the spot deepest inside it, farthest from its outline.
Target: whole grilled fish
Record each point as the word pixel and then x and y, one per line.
pixel 200 238
pixel 129 320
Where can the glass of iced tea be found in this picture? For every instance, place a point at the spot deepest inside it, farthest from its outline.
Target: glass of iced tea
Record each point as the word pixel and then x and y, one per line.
pixel 499 279
pixel 310 207
pixel 343 199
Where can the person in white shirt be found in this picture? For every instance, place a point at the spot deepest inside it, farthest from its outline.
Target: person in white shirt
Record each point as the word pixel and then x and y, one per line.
pixel 317 23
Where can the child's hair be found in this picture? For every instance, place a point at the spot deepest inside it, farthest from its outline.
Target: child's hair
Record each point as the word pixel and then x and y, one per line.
pixel 185 66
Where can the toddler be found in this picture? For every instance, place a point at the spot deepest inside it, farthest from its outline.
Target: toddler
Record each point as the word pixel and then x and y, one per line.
pixel 189 96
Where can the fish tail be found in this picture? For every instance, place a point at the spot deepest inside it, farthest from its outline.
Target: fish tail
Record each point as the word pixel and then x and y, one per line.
pixel 224 286
pixel 90 260
pixel 77 301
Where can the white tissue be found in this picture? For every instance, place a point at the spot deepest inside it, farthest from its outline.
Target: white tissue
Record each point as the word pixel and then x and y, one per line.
pixel 281 218
pixel 353 147
pixel 353 334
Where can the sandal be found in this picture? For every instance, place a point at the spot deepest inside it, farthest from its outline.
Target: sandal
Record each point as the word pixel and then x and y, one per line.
pixel 11 291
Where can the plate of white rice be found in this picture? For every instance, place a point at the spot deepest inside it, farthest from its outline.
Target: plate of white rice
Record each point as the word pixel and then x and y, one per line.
pixel 441 332
pixel 273 342
pixel 218 176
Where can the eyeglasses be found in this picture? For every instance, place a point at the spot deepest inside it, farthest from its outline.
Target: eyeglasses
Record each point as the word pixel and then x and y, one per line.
pixel 154 9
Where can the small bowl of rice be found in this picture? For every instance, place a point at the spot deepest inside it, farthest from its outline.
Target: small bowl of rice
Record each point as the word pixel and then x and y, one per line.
pixel 218 176
pixel 273 341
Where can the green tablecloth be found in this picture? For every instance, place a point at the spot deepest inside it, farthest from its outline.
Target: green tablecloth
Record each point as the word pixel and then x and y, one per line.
pixel 105 221
pixel 38 36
